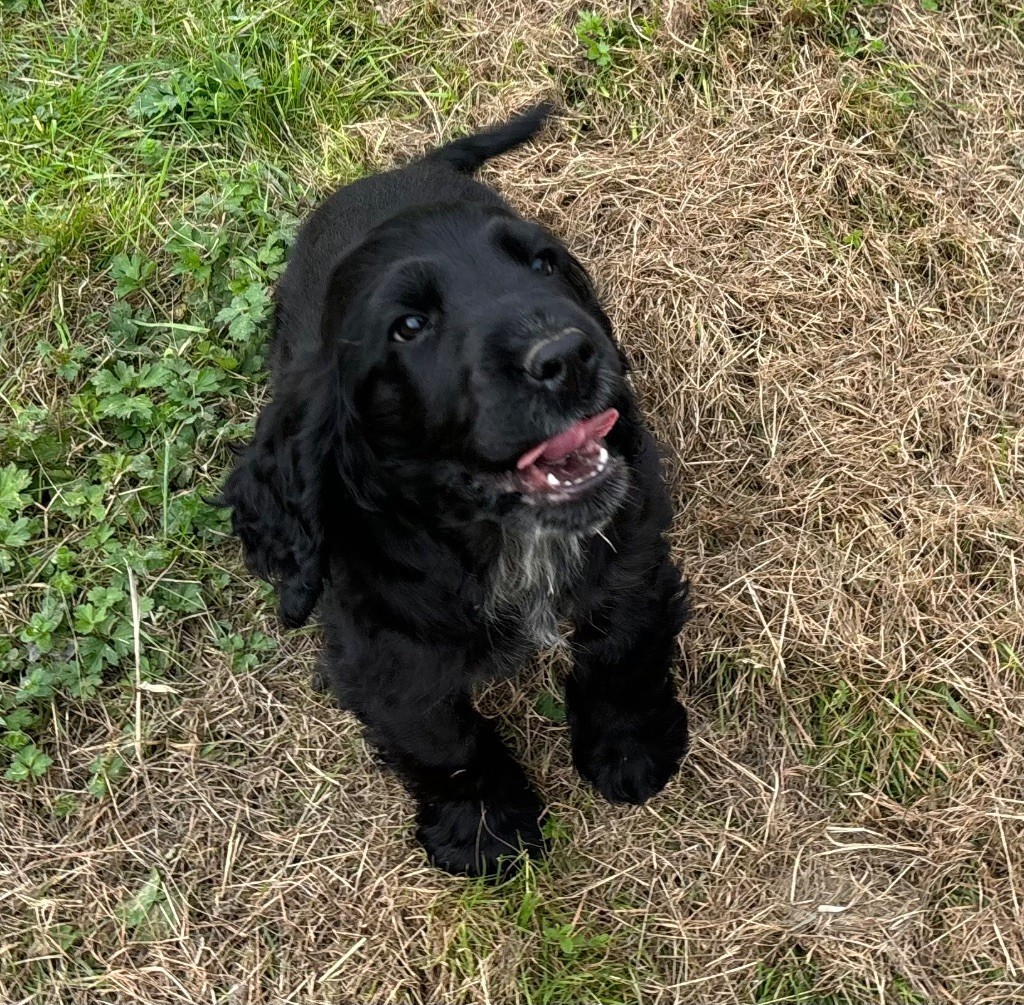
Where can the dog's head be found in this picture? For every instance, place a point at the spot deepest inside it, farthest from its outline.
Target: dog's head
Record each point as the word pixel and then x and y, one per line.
pixel 465 372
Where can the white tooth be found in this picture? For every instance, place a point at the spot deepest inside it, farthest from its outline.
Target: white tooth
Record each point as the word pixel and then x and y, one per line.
pixel 602 457
pixel 553 481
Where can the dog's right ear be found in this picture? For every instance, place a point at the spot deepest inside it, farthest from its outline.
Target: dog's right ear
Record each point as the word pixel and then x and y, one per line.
pixel 277 491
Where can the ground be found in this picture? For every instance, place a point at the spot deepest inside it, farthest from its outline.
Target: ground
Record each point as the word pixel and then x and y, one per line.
pixel 805 216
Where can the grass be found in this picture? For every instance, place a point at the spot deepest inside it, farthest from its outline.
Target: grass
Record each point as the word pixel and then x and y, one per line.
pixel 562 958
pixel 802 215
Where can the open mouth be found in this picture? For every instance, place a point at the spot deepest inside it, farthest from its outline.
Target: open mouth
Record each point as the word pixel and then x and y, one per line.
pixel 565 465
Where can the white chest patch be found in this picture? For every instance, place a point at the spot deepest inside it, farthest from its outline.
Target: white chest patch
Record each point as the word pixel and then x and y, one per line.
pixel 529 579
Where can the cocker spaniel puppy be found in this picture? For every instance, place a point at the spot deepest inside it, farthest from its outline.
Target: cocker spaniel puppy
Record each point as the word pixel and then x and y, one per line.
pixel 451 465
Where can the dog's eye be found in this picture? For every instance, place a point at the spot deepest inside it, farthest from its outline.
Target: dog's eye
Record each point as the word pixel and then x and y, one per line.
pixel 407 328
pixel 542 264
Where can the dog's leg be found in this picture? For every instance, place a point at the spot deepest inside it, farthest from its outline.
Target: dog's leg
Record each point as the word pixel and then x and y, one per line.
pixel 475 805
pixel 628 729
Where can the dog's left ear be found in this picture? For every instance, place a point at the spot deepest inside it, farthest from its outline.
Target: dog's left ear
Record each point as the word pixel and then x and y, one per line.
pixel 277 489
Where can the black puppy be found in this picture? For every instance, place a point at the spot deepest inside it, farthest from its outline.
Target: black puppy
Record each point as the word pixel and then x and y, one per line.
pixel 453 462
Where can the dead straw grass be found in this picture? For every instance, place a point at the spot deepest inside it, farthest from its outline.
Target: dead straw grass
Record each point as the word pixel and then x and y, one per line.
pixel 821 294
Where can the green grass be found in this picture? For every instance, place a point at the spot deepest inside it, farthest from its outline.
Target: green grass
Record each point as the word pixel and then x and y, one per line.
pixel 791 979
pixel 150 194
pixel 794 978
pixel 875 740
pixel 871 745
pixel 559 959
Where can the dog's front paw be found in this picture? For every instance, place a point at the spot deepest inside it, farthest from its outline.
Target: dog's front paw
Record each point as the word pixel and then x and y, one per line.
pixel 629 758
pixel 473 837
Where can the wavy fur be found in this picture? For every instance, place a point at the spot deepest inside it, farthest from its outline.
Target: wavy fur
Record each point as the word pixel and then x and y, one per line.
pixel 372 487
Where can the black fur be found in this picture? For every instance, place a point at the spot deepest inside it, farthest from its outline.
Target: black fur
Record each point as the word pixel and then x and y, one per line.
pixel 377 486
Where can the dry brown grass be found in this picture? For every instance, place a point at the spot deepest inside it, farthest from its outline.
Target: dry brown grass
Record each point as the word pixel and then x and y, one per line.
pixel 819 284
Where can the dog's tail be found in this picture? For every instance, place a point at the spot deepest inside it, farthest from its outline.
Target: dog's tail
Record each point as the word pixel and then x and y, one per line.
pixel 469 152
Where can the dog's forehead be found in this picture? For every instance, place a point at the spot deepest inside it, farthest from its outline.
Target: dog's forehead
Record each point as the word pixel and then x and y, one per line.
pixel 461 258
pixel 458 232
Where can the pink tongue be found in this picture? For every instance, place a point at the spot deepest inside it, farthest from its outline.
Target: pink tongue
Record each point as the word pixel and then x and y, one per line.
pixel 559 447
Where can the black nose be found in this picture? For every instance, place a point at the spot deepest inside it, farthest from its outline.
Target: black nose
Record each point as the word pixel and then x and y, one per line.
pixel 556 360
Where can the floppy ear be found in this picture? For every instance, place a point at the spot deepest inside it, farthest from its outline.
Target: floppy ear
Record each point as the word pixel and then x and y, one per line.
pixel 340 328
pixel 277 491
pixel 308 455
